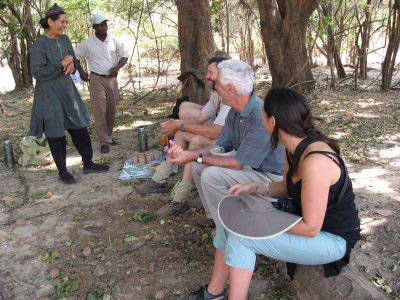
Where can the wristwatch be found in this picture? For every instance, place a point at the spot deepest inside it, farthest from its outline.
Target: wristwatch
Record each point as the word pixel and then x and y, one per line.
pixel 182 127
pixel 200 159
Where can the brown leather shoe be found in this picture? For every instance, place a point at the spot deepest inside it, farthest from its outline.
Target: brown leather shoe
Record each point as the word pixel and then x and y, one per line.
pixel 152 186
pixel 172 209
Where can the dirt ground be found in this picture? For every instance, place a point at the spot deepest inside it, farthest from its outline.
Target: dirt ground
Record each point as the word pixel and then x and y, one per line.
pixel 97 239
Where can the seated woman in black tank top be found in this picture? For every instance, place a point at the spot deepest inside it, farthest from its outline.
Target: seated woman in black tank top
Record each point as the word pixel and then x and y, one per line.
pixel 316 180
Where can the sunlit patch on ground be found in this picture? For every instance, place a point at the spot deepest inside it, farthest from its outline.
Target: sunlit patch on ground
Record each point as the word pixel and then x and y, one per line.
pixel 372 179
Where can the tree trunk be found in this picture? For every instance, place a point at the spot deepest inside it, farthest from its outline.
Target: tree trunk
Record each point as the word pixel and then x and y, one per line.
pixel 250 45
pixel 21 41
pixel 338 62
pixel 365 37
pixel 249 32
pixel 393 46
pixel 283 28
pixel 353 55
pixel 228 32
pixel 18 62
pixel 311 42
pixel 332 49
pixel 195 43
pixel 221 32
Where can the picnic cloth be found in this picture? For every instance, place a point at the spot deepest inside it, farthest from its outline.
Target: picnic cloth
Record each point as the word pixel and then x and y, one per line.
pixel 135 171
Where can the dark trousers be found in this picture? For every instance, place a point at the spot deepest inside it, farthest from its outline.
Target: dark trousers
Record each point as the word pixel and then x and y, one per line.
pixel 81 139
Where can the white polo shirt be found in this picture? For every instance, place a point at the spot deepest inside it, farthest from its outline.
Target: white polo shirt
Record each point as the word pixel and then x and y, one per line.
pixel 101 56
pixel 215 110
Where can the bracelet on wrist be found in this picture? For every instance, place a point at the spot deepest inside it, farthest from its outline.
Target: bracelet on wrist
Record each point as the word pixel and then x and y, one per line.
pixel 266 189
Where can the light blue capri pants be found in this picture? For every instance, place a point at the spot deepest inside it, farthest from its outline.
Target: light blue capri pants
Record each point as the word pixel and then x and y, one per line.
pixel 241 252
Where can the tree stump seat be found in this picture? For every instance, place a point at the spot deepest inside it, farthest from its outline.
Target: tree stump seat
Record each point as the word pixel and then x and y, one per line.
pixel 310 283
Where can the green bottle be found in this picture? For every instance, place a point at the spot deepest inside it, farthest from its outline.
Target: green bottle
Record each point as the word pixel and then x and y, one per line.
pixel 8 153
pixel 142 137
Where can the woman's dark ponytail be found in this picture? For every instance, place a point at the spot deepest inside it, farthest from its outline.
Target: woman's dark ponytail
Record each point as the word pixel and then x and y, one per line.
pixel 43 23
pixel 313 132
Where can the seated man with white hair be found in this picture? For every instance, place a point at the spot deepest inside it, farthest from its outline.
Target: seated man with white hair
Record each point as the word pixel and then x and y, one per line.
pixel 243 133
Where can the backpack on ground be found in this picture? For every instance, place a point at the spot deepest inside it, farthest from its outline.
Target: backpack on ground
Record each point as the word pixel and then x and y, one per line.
pixel 35 151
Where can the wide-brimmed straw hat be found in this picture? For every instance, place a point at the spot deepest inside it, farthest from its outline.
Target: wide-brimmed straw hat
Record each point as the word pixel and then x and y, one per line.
pixel 254 217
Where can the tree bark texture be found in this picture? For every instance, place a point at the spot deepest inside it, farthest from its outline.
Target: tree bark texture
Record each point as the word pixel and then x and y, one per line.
pixel 283 28
pixel 332 48
pixel 365 37
pixel 393 46
pixel 195 43
pixel 20 45
pixel 228 33
pixel 246 44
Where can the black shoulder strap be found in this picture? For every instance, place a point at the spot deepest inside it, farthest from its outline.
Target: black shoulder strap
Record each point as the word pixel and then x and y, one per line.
pixel 301 147
pixel 346 180
pixel 327 154
pixel 289 158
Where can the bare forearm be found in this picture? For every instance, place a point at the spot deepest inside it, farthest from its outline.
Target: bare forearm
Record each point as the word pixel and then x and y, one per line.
pixel 121 62
pixel 212 132
pixel 277 190
pixel 79 67
pixel 185 157
pixel 225 162
pixel 304 229
pixel 204 151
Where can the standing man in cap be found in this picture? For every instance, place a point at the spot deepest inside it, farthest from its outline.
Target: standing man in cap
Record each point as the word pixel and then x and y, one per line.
pixel 105 55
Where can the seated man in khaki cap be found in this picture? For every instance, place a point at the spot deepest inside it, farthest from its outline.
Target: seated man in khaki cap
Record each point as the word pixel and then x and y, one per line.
pixel 191 134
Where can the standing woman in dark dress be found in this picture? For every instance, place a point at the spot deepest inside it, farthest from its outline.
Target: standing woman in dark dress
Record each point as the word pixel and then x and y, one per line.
pixel 57 105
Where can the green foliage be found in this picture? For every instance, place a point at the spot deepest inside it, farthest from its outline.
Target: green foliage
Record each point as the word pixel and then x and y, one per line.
pixel 328 21
pixel 130 238
pixel 63 287
pixel 143 216
pixel 12 26
pixel 95 294
pixel 379 281
pixel 215 7
pixel 49 257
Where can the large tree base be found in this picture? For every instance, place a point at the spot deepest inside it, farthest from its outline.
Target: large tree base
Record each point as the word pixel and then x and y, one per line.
pixel 311 284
